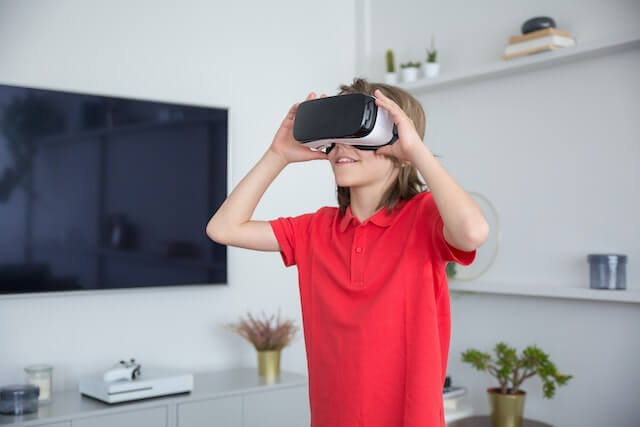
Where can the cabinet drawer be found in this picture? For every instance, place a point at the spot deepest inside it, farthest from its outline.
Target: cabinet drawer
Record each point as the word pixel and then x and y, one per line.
pixel 151 417
pixel 288 407
pixel 222 412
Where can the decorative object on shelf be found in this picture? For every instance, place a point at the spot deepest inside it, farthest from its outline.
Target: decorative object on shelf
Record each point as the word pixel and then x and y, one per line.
pixel 537 23
pixel 507 401
pixel 268 340
pixel 18 399
pixel 410 71
pixel 487 253
pixel 607 271
pixel 431 65
pixel 391 76
pixel 41 376
pixel 538 35
pixel 23 122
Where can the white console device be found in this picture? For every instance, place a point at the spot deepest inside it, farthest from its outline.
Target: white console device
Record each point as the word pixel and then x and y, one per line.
pixel 147 383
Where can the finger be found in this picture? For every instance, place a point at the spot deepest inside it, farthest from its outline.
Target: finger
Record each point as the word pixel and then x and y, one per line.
pixel 397 113
pixel 324 95
pixel 385 100
pixel 378 93
pixel 292 111
pixel 294 108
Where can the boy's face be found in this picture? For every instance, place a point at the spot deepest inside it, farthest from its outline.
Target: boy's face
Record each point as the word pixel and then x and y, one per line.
pixel 368 168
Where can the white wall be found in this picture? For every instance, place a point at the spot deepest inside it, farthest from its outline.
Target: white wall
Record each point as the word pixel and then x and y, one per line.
pixel 556 151
pixel 257 59
pixel 560 170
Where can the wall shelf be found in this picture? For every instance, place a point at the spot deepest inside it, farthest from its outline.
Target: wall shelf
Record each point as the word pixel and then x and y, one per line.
pixel 533 290
pixel 524 64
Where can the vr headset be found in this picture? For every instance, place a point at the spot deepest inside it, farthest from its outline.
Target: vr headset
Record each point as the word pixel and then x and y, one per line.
pixel 352 119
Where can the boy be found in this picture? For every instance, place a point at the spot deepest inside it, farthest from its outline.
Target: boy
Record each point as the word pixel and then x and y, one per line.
pixel 372 279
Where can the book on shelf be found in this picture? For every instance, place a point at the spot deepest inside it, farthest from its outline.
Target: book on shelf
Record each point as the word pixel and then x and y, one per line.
pixel 539 33
pixel 538 41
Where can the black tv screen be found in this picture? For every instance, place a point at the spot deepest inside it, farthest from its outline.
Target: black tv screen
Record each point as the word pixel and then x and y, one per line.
pixel 100 192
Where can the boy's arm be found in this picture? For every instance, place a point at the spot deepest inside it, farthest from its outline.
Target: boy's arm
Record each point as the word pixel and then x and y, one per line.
pixel 231 224
pixel 465 226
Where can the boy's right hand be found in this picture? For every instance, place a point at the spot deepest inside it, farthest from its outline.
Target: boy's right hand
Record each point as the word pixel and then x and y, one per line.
pixel 286 146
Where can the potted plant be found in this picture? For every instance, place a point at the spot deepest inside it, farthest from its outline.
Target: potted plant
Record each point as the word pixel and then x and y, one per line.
pixel 507 401
pixel 431 66
pixel 391 76
pixel 267 339
pixel 410 71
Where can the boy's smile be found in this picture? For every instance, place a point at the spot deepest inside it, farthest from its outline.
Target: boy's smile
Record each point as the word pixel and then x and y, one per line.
pixel 340 153
pixel 364 168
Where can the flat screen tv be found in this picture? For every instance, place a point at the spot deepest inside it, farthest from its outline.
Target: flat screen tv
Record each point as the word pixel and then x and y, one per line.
pixel 101 192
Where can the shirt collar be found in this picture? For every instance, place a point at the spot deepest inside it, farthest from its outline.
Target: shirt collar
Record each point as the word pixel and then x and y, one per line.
pixel 379 218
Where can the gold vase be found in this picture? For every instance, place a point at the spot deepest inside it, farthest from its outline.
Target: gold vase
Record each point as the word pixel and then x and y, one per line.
pixel 269 363
pixel 506 409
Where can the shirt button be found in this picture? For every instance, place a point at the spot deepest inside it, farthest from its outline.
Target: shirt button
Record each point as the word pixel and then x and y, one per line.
pixel 358 250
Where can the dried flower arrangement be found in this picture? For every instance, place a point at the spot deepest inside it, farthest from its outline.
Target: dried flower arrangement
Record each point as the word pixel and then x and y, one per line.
pixel 262 334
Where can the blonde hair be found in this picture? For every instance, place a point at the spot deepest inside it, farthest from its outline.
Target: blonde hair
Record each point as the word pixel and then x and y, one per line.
pixel 407 183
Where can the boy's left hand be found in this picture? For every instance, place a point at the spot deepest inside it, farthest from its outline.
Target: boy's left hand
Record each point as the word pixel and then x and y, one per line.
pixel 408 144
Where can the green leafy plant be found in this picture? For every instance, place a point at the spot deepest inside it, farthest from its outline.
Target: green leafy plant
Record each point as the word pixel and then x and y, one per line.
pixel 511 370
pixel 432 54
pixel 391 64
pixel 410 64
pixel 23 122
pixel 451 270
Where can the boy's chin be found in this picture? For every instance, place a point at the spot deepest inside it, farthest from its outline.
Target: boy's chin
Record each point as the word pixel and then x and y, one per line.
pixel 348 182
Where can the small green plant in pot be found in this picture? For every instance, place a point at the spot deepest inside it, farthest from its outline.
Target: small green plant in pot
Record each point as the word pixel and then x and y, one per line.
pixel 391 76
pixel 431 65
pixel 507 400
pixel 410 71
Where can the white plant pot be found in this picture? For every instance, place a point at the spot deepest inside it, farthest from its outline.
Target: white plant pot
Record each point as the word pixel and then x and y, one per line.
pixel 431 69
pixel 409 74
pixel 391 78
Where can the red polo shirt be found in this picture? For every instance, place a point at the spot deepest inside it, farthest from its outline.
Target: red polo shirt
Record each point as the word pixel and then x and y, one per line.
pixel 375 312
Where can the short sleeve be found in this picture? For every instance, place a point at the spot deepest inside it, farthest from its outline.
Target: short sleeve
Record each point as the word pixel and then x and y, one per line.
pixel 292 233
pixel 439 244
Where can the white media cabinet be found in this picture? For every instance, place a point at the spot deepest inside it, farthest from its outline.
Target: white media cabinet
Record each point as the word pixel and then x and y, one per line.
pixel 229 398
